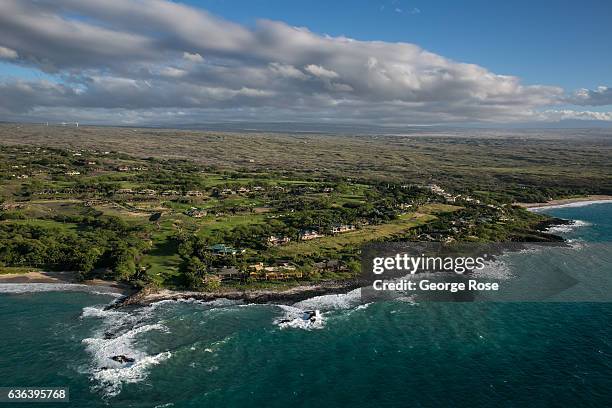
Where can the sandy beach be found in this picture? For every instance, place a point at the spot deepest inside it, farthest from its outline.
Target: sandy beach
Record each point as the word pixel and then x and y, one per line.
pixel 586 200
pixel 61 277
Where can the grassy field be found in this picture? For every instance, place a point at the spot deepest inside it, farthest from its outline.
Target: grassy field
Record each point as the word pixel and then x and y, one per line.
pixel 493 160
pixel 330 244
pixel 195 189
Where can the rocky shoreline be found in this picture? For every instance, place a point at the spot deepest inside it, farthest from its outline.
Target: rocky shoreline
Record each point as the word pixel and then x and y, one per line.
pixel 150 295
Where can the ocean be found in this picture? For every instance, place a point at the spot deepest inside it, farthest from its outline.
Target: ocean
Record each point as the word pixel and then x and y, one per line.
pixel 383 354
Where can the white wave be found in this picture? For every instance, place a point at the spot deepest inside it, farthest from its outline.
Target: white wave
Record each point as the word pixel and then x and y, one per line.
pixel 52 287
pixel 100 312
pixel 577 244
pixel 568 227
pixel 114 294
pixel 411 300
pixel 327 302
pixel 498 269
pixel 117 336
pixel 110 380
pixel 364 306
pixel 293 318
pixel 222 302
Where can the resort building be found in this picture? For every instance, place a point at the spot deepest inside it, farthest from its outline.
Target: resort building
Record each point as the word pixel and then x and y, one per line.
pixel 194 193
pixel 223 250
pixel 277 240
pixel 306 235
pixel 228 273
pixel 340 228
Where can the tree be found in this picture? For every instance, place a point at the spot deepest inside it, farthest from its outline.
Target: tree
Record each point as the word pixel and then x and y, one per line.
pixel 211 283
pixel 194 272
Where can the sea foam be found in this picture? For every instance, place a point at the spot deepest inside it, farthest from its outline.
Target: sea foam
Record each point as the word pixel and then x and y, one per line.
pixel 557 229
pixel 118 335
pixel 54 287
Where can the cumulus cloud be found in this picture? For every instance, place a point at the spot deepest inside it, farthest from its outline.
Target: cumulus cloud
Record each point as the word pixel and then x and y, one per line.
pixel 287 71
pixel 593 97
pixel 321 72
pixel 569 114
pixel 7 53
pixel 193 57
pixel 140 57
pixel 173 72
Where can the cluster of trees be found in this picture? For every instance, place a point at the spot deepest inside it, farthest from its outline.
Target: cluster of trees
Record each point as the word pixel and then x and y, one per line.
pixel 96 242
pixel 484 224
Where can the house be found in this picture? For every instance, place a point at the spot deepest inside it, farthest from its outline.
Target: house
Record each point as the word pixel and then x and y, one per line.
pixel 148 192
pixel 277 240
pixel 196 212
pixel 123 168
pixel 194 193
pixel 306 235
pixel 279 272
pixel 170 193
pixel 124 191
pixel 243 190
pixel 256 267
pixel 228 273
pixel 223 250
pixel 434 188
pixel 340 228
pixel 73 173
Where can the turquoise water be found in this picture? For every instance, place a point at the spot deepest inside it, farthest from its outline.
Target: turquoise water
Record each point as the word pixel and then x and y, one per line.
pixel 393 354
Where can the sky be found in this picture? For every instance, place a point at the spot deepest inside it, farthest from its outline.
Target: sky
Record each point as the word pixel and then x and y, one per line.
pixel 390 62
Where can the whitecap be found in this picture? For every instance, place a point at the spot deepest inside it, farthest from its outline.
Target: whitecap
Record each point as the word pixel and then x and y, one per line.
pixel 497 269
pixel 293 318
pixel 557 229
pixel 337 301
pixel 117 336
pixel 110 379
pixel 217 303
pixel 53 287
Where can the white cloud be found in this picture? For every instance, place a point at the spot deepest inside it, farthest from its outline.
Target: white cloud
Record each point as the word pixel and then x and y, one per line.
pixel 321 72
pixel 340 87
pixel 8 53
pixel 600 96
pixel 195 57
pixel 120 55
pixel 173 72
pixel 287 71
pixel 568 114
